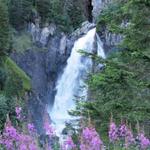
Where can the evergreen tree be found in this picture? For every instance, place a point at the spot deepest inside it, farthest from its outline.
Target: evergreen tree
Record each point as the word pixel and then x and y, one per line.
pixel 66 14
pixel 75 12
pixel 4 28
pixel 20 13
pixel 123 87
pixel 44 9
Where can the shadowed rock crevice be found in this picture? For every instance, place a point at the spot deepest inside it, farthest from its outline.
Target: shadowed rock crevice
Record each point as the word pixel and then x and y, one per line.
pixel 88 9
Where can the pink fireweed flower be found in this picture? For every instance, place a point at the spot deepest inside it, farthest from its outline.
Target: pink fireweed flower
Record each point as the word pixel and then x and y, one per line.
pixel 90 140
pixel 11 133
pixel 122 131
pixel 83 147
pixel 129 136
pixel 87 133
pixel 8 143
pixel 18 112
pixel 23 146
pixel 129 139
pixel 48 147
pixel 1 139
pixel 32 146
pixel 144 142
pixel 69 144
pixel 31 127
pixel 113 136
pixel 96 143
pixel 12 139
pixel 25 138
pixel 49 129
pixel 27 142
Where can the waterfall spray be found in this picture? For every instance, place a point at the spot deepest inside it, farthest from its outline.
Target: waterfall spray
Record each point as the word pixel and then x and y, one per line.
pixel 72 79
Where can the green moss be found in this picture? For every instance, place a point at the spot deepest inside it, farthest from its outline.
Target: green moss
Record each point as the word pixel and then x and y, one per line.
pixel 22 42
pixel 110 17
pixel 14 68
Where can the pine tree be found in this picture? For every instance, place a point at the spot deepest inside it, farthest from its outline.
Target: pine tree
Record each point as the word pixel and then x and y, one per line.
pixel 20 13
pixel 4 28
pixel 75 12
pixel 123 87
pixel 44 9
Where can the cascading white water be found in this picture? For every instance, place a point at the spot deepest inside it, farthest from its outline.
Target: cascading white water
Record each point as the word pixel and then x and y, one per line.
pixel 100 50
pixel 71 80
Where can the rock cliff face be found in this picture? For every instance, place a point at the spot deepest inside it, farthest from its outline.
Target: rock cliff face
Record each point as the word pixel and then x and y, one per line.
pixel 98 6
pixel 44 63
pixel 109 39
pixel 93 8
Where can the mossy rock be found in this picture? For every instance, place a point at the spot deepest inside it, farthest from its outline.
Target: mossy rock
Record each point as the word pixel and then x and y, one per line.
pixel 14 68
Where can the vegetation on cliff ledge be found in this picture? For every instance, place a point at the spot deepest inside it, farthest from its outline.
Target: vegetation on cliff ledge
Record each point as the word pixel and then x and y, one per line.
pixel 122 88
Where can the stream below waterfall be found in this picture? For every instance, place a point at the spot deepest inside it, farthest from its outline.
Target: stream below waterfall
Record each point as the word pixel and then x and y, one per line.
pixel 71 83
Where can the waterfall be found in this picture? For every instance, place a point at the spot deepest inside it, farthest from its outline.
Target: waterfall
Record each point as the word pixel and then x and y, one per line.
pixel 71 80
pixel 100 50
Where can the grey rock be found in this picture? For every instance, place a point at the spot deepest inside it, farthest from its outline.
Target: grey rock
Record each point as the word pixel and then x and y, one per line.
pixel 44 67
pixel 41 35
pixel 98 6
pixel 110 40
pixel 85 27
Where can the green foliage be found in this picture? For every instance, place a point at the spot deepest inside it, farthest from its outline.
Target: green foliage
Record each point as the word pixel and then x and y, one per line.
pixel 19 73
pixel 66 14
pixel 58 15
pixel 3 110
pixel 21 42
pixel 20 13
pixel 136 14
pixel 75 12
pixel 7 106
pixel 4 28
pixel 13 86
pixel 122 88
pixel 3 77
pixel 44 9
pixel 13 80
pixel 138 32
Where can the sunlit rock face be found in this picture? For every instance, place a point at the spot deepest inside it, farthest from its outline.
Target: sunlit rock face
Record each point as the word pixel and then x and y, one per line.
pixel 110 40
pixel 41 35
pixel 35 31
pixel 63 44
pixel 98 5
pixel 85 27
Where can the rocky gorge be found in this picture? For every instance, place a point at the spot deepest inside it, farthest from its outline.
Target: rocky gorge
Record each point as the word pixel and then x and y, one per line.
pixel 45 60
